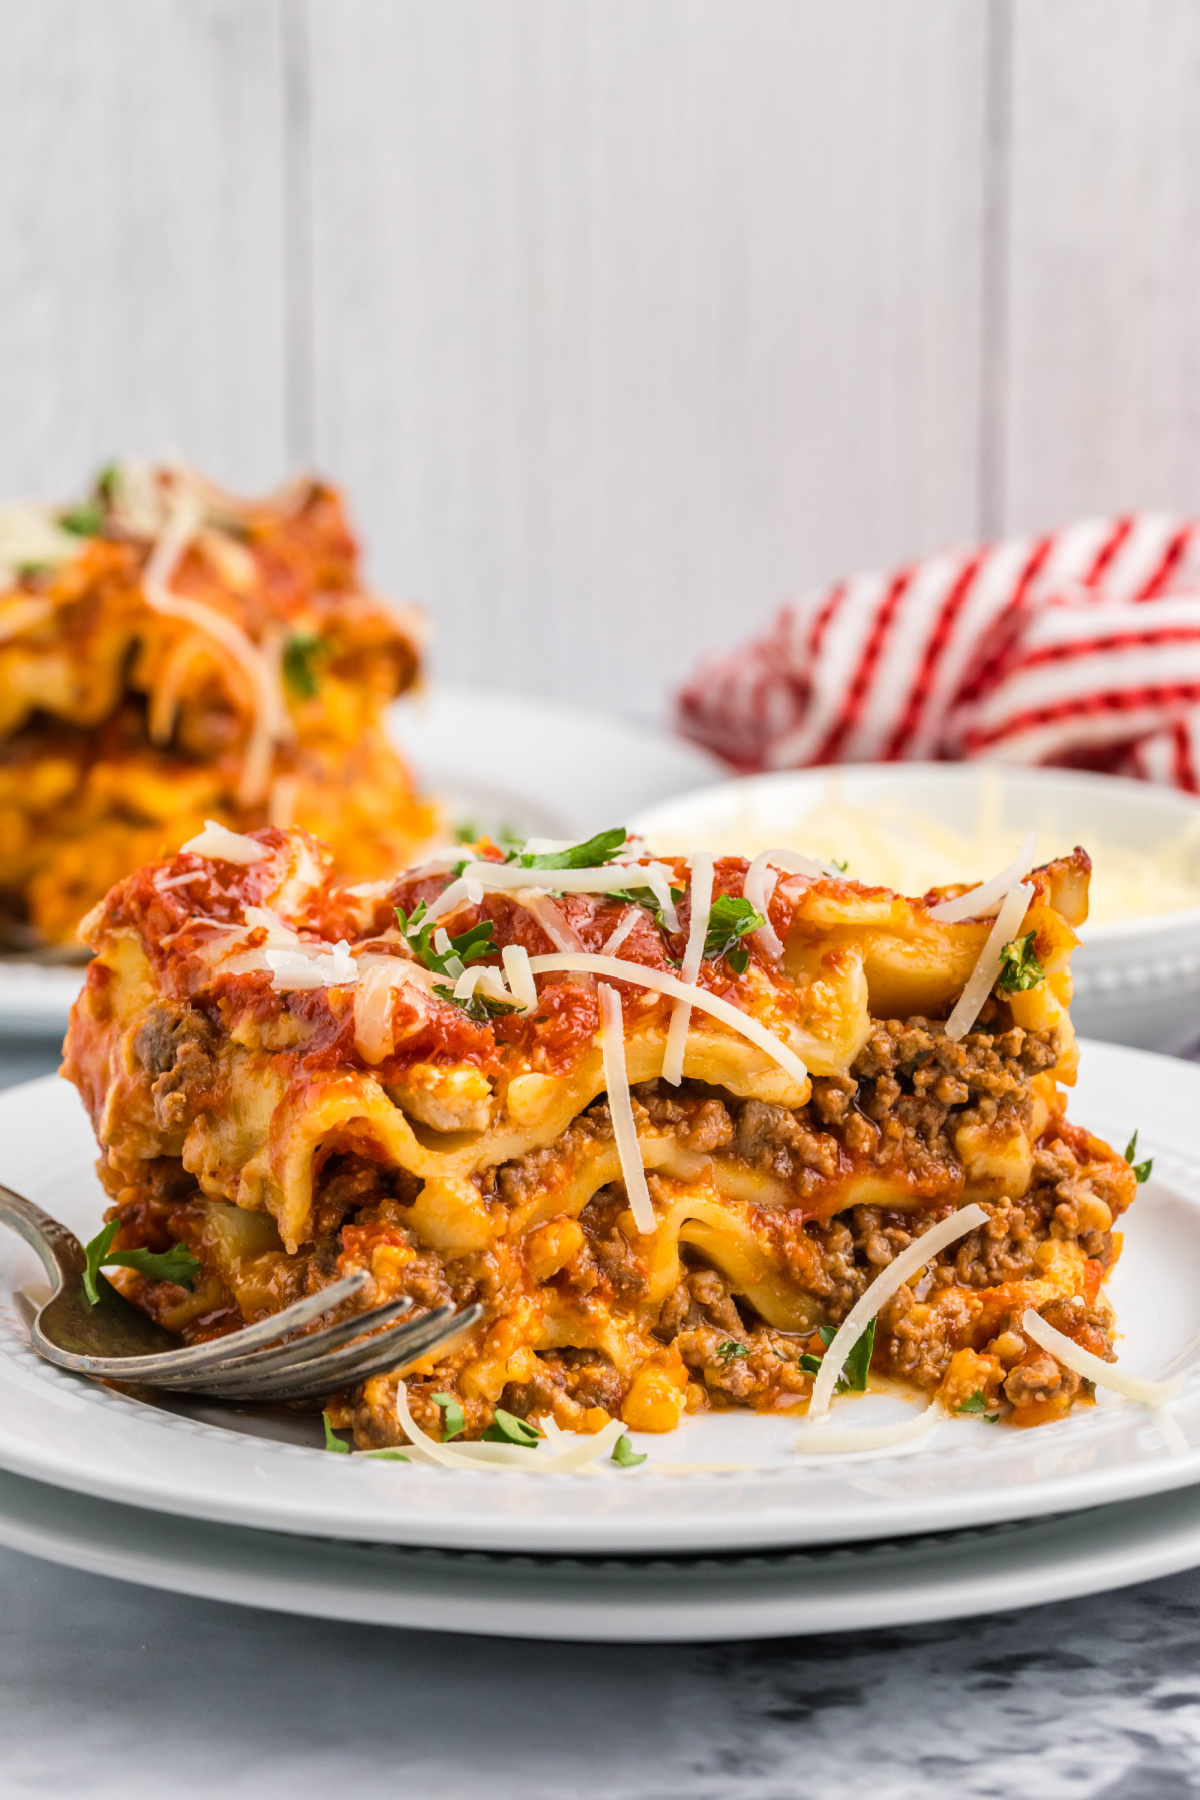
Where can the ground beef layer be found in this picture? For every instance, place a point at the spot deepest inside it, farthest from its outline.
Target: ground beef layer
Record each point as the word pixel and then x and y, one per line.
pixel 899 1113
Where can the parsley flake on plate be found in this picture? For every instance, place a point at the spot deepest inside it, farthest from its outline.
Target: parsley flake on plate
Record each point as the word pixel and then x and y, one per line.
pixel 625 1456
pixel 332 1442
pixel 1141 1170
pixel 454 1419
pixel 176 1264
pixel 506 1428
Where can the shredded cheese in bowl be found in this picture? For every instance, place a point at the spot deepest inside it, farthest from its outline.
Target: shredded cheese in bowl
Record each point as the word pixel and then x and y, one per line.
pixel 910 846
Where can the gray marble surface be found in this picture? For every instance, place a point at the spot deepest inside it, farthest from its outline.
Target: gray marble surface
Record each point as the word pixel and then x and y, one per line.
pixel 109 1690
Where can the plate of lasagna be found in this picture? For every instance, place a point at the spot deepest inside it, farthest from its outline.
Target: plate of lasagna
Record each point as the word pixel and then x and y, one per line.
pixel 764 1180
pixel 171 652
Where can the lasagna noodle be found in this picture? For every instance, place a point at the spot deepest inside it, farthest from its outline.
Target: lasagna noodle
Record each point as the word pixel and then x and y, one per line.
pixel 465 1150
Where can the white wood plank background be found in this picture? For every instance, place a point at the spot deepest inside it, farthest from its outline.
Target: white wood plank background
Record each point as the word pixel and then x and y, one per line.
pixel 620 319
pixel 141 236
pixel 630 317
pixel 1104 353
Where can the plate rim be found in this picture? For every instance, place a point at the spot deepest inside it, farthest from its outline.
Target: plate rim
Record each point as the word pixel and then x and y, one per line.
pixel 917 1580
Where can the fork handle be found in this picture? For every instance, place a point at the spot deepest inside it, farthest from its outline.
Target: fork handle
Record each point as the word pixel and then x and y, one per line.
pixel 60 1250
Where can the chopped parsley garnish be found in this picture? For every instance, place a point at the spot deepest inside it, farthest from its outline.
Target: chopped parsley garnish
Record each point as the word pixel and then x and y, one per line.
pixel 331 1442
pixel 301 652
pixel 452 957
pixel 1019 966
pixel 625 1456
pixel 106 482
pixel 977 1403
pixel 506 1428
pixel 1141 1170
pixel 84 521
pixel 730 919
pixel 590 855
pixel 853 1378
pixel 454 1419
pixel 466 832
pixel 731 1348
pixel 176 1264
pixel 835 864
pixel 477 1006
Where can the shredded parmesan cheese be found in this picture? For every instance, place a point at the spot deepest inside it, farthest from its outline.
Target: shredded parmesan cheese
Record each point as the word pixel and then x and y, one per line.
pixel 551 918
pixel 983 976
pixel 611 878
pixel 164 702
pixel 620 931
pixel 826 1439
pixel 757 888
pixel 294 970
pixel 1172 1431
pixel 620 1106
pixel 619 970
pixel 885 1284
pixel 481 977
pixel 378 979
pixel 987 898
pixel 1104 1374
pixel 894 845
pixel 506 1456
pixel 219 844
pixel 702 886
pixel 658 880
pixel 32 538
pixel 270 723
pixel 515 958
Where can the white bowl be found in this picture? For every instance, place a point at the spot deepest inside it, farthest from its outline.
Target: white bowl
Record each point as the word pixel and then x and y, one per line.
pixel 1136 982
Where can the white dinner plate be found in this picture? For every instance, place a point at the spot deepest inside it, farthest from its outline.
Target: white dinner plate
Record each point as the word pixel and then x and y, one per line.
pixel 72 1433
pixel 851 1587
pixel 496 761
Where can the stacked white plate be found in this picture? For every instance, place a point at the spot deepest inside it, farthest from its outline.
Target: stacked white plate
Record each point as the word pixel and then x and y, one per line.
pixel 234 1506
pixel 239 1506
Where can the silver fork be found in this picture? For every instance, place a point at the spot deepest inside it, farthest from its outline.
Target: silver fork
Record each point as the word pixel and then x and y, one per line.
pixel 114 1341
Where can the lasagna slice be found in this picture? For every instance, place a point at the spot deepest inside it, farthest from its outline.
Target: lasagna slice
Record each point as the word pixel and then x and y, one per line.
pixel 169 653
pixel 665 1122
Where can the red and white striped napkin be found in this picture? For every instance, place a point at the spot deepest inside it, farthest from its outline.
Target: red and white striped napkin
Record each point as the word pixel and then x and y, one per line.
pixel 1080 648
